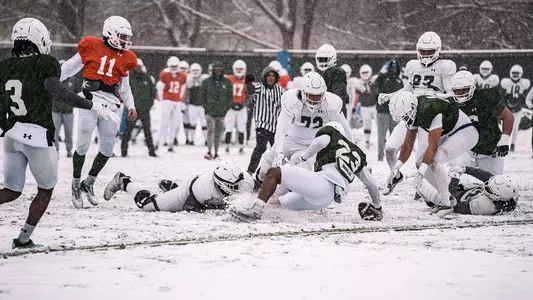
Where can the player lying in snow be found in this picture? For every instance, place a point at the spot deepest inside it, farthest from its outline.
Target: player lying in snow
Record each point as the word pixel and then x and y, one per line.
pixel 197 193
pixel 493 195
pixel 338 162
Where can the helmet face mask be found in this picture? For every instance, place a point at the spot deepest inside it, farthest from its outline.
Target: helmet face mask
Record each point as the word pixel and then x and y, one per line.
pixel 516 72
pixel 403 107
pixel 485 68
pixel 306 68
pixel 117 31
pixel 313 91
pixel 428 48
pixel 239 68
pixel 463 86
pixel 228 177
pixel 500 188
pixel 326 57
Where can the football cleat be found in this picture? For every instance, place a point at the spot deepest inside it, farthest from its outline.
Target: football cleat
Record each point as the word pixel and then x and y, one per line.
pixel 88 190
pixel 77 200
pixel 116 184
pixel 28 245
pixel 369 212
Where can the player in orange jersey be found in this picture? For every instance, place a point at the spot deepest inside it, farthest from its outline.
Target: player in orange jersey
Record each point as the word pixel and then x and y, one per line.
pixel 170 92
pixel 237 115
pixel 105 63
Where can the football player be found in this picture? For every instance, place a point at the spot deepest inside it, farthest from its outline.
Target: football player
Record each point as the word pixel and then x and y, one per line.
pixel 485 109
pixel 170 92
pixel 490 195
pixel 450 134
pixel 486 79
pixel 334 76
pixel 338 162
pixel 516 89
pixel 237 115
pixel 196 193
pixel 364 95
pixel 106 64
pixel 194 101
pixel 303 113
pixel 30 82
pixel 304 69
pixel 427 75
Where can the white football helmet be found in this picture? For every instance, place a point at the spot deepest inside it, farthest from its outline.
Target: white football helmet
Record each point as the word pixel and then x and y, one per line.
pixel 516 72
pixel 428 47
pixel 239 68
pixel 463 86
pixel 117 30
pixel 337 126
pixel 228 177
pixel 313 90
pixel 326 57
pixel 402 106
pixel 173 64
pixel 275 65
pixel 500 188
pixel 196 70
pixel 183 66
pixel 485 68
pixel 306 68
pixel 365 72
pixel 33 30
pixel 347 69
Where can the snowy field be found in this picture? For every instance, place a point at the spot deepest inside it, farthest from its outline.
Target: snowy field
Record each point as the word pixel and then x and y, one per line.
pixel 116 251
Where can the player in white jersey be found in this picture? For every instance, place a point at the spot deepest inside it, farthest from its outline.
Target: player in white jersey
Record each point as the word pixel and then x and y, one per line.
pixel 338 162
pixel 485 79
pixel 196 193
pixel 516 89
pixel 303 113
pixel 351 83
pixel 304 69
pixel 487 194
pixel 427 75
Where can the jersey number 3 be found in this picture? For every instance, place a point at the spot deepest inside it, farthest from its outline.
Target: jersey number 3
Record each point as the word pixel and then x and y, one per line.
pixel 16 86
pixel 347 161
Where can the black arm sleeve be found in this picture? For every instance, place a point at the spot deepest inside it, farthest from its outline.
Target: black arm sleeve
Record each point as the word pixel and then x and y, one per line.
pixel 478 173
pixel 62 94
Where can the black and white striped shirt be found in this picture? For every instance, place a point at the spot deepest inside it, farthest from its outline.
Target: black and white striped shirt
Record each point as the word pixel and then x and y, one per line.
pixel 267 106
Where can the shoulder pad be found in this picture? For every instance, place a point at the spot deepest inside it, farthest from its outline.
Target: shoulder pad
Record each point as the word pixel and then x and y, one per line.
pixel 505 82
pixel 131 59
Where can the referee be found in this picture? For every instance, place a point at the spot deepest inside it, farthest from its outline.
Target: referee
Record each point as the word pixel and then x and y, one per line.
pixel 267 99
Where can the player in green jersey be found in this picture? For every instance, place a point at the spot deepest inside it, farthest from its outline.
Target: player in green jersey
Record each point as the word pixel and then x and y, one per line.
pixel 338 162
pixel 486 109
pixel 29 82
pixel 450 135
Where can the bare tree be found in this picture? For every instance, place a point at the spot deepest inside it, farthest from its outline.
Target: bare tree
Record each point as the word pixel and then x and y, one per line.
pixel 309 18
pixel 284 18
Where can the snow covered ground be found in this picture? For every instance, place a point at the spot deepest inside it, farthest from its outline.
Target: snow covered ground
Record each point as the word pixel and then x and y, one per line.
pixel 116 251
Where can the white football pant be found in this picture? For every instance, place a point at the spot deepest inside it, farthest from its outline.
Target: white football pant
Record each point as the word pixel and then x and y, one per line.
pixel 171 119
pixel 308 190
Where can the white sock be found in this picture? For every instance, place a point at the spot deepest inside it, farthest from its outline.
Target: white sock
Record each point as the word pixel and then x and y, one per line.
pixel 25 233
